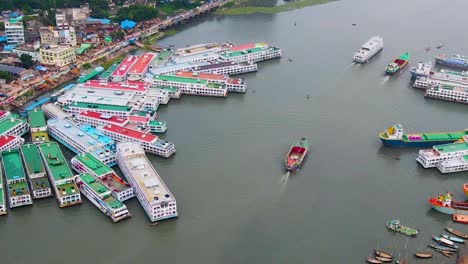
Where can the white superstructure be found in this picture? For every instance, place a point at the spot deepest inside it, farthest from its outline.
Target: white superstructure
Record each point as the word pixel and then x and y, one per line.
pixel 457 94
pixel 369 49
pixel 430 158
pixel 154 196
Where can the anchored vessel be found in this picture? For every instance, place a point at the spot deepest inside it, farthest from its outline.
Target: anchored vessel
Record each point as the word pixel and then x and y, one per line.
pixel 10 142
pixel 296 155
pixel 140 67
pixel 456 61
pixel 369 49
pixel 397 64
pixel 120 73
pixel 422 69
pixel 232 84
pixel 36 172
pixel 13 126
pixel 447 157
pixel 394 137
pixel 445 204
pixel 3 207
pixel 228 67
pixel 153 194
pixel 458 94
pixel 101 197
pixel 18 190
pixel 250 52
pixel 190 85
pixel 397 227
pixel 443 77
pixel 87 163
pixel 37 126
pixel 90 75
pixel 60 175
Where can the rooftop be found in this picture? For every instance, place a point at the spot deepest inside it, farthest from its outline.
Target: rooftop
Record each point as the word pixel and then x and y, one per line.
pixel 18 188
pixel 103 117
pixel 74 133
pixel 231 54
pixel 216 65
pixel 67 189
pixel 95 185
pixel 133 86
pixel 447 148
pixel 98 135
pixel 40 183
pixel 137 135
pixel 172 78
pixel 168 88
pixel 57 48
pixel 32 159
pixel 114 182
pixel 55 161
pixel 141 64
pixel 205 76
pixel 8 124
pixel 100 107
pixel 5 139
pixel 93 164
pixel 11 69
pixel 107 73
pixel 12 164
pixel 125 65
pixel 36 118
pixel 146 177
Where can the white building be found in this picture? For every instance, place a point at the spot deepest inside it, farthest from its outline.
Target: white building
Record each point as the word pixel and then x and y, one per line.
pixel 14 32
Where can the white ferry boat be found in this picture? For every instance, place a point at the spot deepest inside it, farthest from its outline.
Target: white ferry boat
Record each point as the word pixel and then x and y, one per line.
pixel 157 126
pixel 18 190
pixel 35 170
pixel 440 79
pixel 369 49
pixel 422 69
pixel 87 163
pixel 101 197
pixel 232 84
pixel 10 142
pixel 250 52
pixel 192 86
pixel 154 196
pixel 60 175
pixel 149 142
pixel 228 67
pixel 53 111
pixel 13 126
pixel 451 93
pixel 430 158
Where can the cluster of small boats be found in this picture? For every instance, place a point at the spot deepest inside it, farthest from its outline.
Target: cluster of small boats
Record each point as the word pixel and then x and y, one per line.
pixel 380 257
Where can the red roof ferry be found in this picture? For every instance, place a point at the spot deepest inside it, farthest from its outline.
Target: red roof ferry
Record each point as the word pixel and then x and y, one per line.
pixel 140 67
pixel 121 72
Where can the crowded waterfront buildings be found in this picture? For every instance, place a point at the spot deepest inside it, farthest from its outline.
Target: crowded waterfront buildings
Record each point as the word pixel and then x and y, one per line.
pixel 154 196
pixel 60 175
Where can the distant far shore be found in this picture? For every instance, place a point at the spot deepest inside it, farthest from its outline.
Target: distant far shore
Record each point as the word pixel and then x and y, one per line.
pixel 289 6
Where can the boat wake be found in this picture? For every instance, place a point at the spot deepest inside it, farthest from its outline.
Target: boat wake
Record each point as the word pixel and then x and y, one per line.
pixel 385 79
pixel 350 65
pixel 284 178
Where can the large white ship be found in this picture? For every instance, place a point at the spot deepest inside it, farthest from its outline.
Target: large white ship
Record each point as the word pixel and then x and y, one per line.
pixel 154 196
pixel 369 49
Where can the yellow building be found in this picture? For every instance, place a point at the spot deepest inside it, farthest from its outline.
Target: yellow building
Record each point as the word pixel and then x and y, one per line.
pixel 57 55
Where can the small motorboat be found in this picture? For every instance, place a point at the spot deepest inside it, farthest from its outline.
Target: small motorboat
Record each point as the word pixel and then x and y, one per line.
pixel 354 24
pixel 423 255
pixel 444 242
pixel 296 154
pixel 455 232
pixel 384 259
pixel 382 254
pixel 397 227
pixel 440 45
pixel 372 260
pixel 454 239
pixel 289 59
pixel 442 248
pixel 447 254
pixel 460 218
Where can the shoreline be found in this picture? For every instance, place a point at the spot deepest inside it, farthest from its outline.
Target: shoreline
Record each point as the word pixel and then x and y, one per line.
pixel 247 10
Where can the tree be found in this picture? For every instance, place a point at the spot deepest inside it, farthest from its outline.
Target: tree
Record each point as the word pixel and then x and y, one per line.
pixel 2 26
pixel 26 61
pixel 4 75
pixel 137 13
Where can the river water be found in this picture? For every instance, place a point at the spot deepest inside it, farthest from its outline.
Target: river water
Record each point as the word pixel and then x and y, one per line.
pixel 227 174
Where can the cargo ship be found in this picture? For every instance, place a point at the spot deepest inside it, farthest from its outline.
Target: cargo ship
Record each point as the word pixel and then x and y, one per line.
pixel 397 64
pixel 445 204
pixel 101 197
pixel 394 137
pixel 296 155
pixel 422 69
pixel 35 171
pixel 60 175
pixel 456 61
pixel 369 49
pixel 18 190
pixel 90 75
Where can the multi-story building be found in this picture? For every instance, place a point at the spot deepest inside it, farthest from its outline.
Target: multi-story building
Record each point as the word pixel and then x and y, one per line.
pixel 87 163
pixel 28 50
pixel 154 196
pixel 37 126
pixel 14 32
pixel 57 55
pixel 60 175
pixel 50 36
pixel 65 17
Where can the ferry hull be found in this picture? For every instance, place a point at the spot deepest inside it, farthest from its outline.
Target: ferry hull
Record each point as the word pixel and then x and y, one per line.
pixel 406 144
pixel 453 64
pixel 443 209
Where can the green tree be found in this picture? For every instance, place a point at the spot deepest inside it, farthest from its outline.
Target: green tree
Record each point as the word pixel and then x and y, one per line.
pixel 2 26
pixel 26 61
pixel 4 75
pixel 137 13
pixel 87 66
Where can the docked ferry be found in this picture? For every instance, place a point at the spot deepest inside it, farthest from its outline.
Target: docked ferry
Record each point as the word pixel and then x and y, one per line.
pixel 3 207
pixel 456 61
pixel 422 69
pixel 394 137
pixel 369 49
pixel 35 171
pixel 18 190
pixel 60 175
pixel 101 197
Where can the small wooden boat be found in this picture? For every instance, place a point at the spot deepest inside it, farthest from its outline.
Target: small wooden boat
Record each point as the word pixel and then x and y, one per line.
pixel 454 239
pixel 444 242
pixel 371 260
pixel 442 248
pixel 384 259
pixel 397 227
pixel 296 155
pixel 460 218
pixel 382 254
pixel 423 255
pixel 455 232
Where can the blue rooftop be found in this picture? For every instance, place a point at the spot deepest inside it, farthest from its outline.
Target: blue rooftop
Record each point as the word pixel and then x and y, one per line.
pixel 3 38
pixel 98 135
pixel 127 24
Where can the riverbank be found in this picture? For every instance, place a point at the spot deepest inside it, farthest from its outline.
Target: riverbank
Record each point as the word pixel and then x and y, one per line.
pixel 246 10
